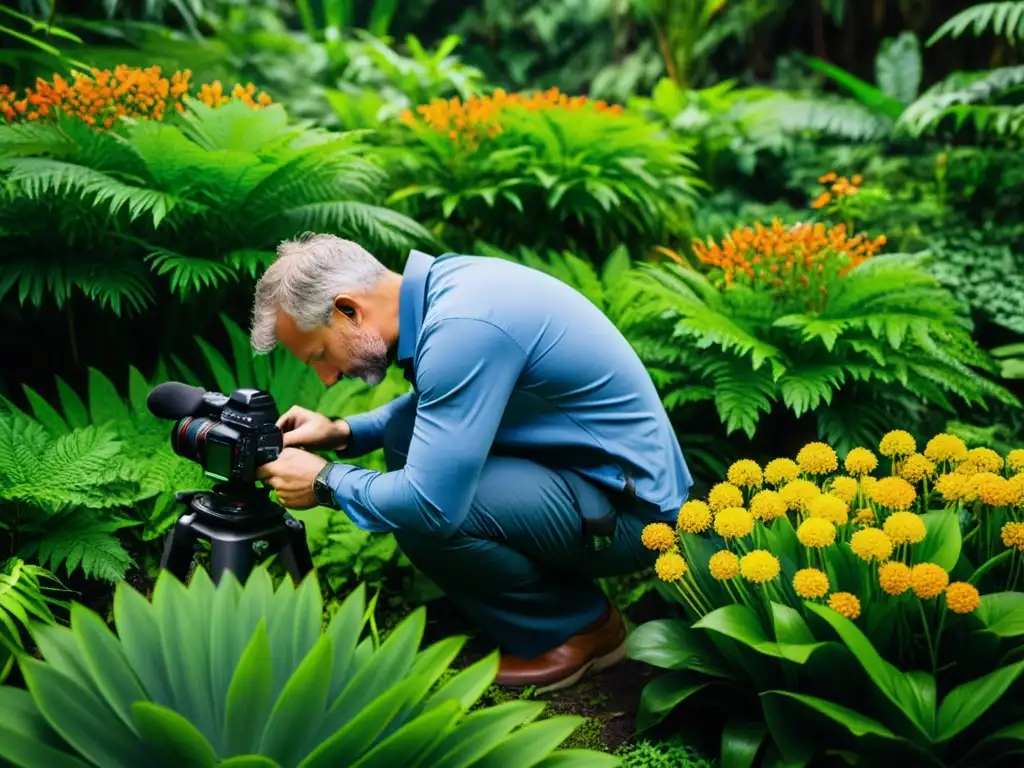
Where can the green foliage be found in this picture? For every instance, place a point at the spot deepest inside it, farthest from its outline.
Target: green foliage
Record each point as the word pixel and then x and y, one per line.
pixel 189 203
pixel 671 753
pixel 268 683
pixel 551 178
pixel 1001 18
pixel 24 597
pixel 887 334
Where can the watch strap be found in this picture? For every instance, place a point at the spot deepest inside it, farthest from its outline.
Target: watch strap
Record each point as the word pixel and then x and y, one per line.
pixel 321 490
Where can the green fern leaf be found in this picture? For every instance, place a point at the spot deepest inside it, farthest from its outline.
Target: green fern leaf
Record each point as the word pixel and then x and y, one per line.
pixel 94 549
pixel 1002 18
pixel 741 394
pixel 806 388
pixel 188 273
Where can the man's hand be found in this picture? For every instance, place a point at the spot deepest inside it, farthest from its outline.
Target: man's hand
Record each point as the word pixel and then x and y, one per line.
pixel 292 475
pixel 303 428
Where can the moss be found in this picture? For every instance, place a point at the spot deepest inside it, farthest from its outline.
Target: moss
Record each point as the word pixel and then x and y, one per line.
pixel 588 736
pixel 672 753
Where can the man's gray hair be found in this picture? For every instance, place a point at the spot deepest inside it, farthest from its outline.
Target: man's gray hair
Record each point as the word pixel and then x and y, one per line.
pixel 303 281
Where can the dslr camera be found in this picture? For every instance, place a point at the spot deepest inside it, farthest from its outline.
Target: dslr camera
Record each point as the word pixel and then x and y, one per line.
pixel 229 436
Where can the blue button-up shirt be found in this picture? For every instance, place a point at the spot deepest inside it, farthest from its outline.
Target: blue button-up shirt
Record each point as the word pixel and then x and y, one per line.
pixel 507 357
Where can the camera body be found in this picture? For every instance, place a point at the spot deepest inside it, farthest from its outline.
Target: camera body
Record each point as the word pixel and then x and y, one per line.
pixel 229 436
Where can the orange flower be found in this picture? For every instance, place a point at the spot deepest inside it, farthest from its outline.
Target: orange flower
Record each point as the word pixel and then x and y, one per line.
pixel 477 118
pixel 100 97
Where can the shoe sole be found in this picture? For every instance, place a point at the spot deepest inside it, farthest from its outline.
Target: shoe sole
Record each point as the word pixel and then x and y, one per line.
pixel 599 664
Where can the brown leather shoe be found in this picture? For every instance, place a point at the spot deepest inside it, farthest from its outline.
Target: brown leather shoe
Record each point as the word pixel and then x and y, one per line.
pixel 598 647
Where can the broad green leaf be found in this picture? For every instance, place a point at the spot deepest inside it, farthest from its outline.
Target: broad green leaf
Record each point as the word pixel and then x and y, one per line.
pixel 26 738
pixel 344 630
pixel 531 743
pixel 898 67
pixel 173 739
pixel 671 644
pixel 45 413
pixel 740 623
pixel 105 403
pixel 248 761
pixel 665 692
pixel 942 542
pixel 480 731
pixel 249 698
pixel 790 627
pixel 966 703
pixel 410 743
pixel 75 412
pixel 579 758
pixel 856 723
pixel 468 685
pixel 1012 733
pixel 741 740
pixel 1002 613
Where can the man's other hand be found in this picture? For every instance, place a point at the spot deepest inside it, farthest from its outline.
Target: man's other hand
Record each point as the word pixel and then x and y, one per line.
pixel 292 475
pixel 303 428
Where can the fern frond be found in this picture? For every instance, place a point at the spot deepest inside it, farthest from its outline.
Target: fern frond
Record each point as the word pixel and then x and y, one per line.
pixel 22 139
pixel 957 92
pixel 383 227
pixel 806 388
pixel 188 273
pixel 741 394
pixel 83 543
pixel 1002 18
pixel 824 115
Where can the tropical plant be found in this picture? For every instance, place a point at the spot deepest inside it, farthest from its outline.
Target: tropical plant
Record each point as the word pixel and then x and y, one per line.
pixel 800 572
pixel 210 675
pixel 543 170
pixel 25 596
pixel 811 316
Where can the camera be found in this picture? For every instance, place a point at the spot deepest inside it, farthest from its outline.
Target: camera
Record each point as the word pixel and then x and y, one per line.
pixel 229 436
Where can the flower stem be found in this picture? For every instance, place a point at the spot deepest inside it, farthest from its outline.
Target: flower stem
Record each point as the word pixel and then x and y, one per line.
pixel 928 637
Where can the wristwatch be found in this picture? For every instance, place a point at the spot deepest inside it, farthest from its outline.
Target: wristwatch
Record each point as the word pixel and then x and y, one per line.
pixel 321 491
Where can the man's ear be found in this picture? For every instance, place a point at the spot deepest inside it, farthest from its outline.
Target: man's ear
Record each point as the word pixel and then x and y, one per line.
pixel 345 306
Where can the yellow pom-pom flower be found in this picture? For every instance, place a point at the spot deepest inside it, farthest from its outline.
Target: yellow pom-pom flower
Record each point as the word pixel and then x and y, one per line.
pixel 844 487
pixel 928 580
pixel 904 528
pixel 1012 535
pixel 871 544
pixel 916 468
pixel 780 471
pixel 767 506
pixel 893 492
pixel 1017 489
pixel 865 517
pixel 992 489
pixel 670 566
pixel 725 495
pixel 724 565
pixel 860 461
pixel 694 516
pixel 894 578
pixel 1015 460
pixel 797 493
pixel 898 442
pixel 810 583
pixel 985 460
pixel 759 566
pixel 953 487
pixel 962 597
pixel 943 447
pixel 817 459
pixel 658 536
pixel 745 473
pixel 845 604
pixel 829 507
pixel 816 532
pixel 733 523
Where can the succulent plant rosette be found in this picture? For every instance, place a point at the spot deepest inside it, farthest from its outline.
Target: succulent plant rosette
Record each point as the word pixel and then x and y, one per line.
pixel 895 570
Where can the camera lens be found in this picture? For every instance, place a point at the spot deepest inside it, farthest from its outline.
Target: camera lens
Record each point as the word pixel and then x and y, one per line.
pixel 189 438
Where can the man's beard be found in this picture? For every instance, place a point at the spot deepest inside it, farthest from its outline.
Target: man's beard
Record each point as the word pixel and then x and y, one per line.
pixel 369 358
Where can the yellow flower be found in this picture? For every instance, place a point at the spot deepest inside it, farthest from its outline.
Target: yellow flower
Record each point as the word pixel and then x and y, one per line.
pixel 916 468
pixel 928 580
pixel 829 507
pixel 945 447
pixel 898 442
pixel 767 505
pixel 745 473
pixel 962 597
pixel 1012 535
pixel 1015 460
pixel 694 517
pixel 733 522
pixel 1017 489
pixel 894 493
pixel 894 578
pixel 904 528
pixel 670 566
pixel 724 565
pixel 865 517
pixel 816 532
pixel 860 461
pixel 759 566
pixel 985 460
pixel 817 459
pixel 844 487
pixel 867 482
pixel 658 536
pixel 779 471
pixel 845 604
pixel 992 489
pixel 871 544
pixel 953 487
pixel 725 495
pixel 797 493
pixel 810 583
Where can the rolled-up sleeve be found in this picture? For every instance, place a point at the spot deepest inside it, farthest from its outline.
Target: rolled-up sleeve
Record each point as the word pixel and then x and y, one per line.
pixel 466 369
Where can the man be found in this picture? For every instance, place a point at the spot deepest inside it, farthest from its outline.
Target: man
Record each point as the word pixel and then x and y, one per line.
pixel 524 463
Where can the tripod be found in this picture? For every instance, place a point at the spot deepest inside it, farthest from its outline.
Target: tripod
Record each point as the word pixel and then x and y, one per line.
pixel 234 523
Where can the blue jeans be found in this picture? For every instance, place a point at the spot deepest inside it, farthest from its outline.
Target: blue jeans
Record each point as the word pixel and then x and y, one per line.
pixel 519 566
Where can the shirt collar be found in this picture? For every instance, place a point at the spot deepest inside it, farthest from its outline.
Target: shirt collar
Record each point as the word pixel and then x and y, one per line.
pixel 411 298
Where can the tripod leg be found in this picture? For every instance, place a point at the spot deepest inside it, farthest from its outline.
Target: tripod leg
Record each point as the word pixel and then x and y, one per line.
pixel 295 554
pixel 179 548
pixel 231 555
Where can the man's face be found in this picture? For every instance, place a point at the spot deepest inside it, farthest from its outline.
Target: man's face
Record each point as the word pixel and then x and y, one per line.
pixel 348 347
